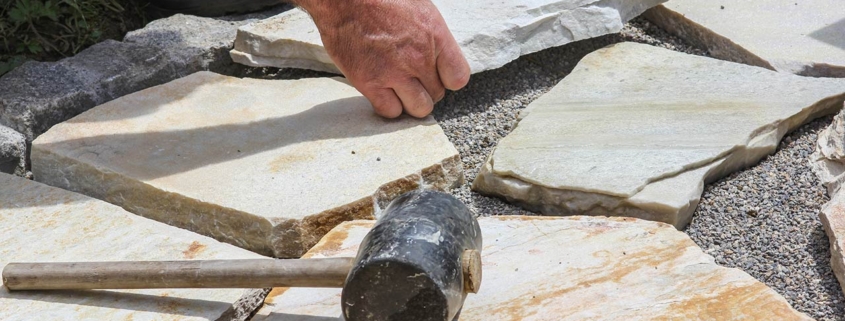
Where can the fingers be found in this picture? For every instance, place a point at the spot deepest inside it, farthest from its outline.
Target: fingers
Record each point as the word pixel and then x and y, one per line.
pixel 409 95
pixel 432 84
pixel 385 102
pixel 414 97
pixel 452 67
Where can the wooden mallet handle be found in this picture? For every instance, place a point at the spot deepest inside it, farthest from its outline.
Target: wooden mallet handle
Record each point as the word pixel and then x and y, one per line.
pixel 253 273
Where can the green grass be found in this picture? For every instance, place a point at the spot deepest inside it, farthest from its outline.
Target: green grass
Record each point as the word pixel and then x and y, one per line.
pixel 48 30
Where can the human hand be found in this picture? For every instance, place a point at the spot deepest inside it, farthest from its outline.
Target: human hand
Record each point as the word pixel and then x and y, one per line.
pixel 398 53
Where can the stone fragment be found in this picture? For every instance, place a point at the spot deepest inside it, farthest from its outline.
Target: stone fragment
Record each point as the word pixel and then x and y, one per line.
pixel 833 220
pixel 491 33
pixel 267 165
pixel 803 38
pixel 198 43
pixel 828 162
pixel 637 130
pixel 38 95
pixel 39 223
pixel 12 151
pixel 578 268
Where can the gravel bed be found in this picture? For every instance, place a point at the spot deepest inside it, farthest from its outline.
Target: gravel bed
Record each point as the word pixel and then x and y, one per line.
pixel 764 220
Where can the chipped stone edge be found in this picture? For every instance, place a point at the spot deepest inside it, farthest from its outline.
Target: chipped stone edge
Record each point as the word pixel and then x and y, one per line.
pixel 568 202
pixel 443 176
pixel 277 237
pixel 723 48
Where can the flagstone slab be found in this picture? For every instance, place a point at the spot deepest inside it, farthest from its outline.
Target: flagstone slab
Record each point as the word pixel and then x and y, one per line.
pixel 636 130
pixel 491 33
pixel 800 37
pixel 39 223
pixel 574 268
pixel 267 165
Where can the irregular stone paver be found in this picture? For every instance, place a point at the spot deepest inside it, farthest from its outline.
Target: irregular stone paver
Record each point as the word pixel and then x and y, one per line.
pixel 12 151
pixel 801 37
pixel 828 162
pixel 39 223
pixel 575 268
pixel 38 95
pixel 490 32
pixel 268 165
pixel 636 130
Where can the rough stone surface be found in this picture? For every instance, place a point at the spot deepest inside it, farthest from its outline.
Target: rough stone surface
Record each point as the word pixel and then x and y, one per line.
pixel 38 95
pixel 572 269
pixel 491 33
pixel 269 166
pixel 12 151
pixel 636 130
pixel 801 37
pixel 199 43
pixel 833 218
pixel 39 223
pixel 828 162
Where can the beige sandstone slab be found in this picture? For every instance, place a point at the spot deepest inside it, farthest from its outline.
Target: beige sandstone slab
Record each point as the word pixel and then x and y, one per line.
pixel 801 37
pixel 828 162
pixel 578 268
pixel 267 165
pixel 490 33
pixel 39 223
pixel 636 130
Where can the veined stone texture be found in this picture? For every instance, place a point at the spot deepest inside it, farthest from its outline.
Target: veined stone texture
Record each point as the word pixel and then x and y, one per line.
pixel 800 37
pixel 39 223
pixel 636 130
pixel 576 268
pixel 828 162
pixel 490 33
pixel 267 165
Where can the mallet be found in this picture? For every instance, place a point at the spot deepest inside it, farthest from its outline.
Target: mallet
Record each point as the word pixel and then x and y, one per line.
pixel 417 263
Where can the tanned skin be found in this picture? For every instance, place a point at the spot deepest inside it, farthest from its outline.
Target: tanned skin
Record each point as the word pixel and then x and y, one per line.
pixel 398 53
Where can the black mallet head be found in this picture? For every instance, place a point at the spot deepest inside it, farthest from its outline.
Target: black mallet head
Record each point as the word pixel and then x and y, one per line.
pixel 417 263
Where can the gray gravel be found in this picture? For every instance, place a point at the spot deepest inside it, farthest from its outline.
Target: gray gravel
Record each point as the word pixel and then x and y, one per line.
pixel 764 220
pixel 783 246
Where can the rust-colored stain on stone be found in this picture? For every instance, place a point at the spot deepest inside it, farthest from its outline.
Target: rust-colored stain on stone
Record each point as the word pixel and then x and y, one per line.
pixel 333 241
pixel 649 257
pixel 274 293
pixel 193 249
pixel 287 161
